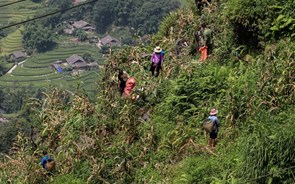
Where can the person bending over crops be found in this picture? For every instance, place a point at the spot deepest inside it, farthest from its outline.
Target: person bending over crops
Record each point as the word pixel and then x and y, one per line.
pixel 207 38
pixel 216 123
pixel 122 79
pixel 47 162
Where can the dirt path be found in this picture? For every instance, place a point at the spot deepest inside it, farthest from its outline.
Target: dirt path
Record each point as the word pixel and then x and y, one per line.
pixel 15 66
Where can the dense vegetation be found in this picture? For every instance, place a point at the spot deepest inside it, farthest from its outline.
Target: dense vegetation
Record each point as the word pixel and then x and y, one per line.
pixel 37 37
pixel 143 17
pixel 250 82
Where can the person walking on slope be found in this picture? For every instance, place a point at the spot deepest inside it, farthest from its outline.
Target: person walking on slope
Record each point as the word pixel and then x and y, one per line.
pixel 207 38
pixel 197 43
pixel 157 60
pixel 216 124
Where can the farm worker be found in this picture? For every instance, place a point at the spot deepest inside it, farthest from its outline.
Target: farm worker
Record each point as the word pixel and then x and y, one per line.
pixel 122 78
pixel 157 60
pixel 47 162
pixel 207 38
pixel 216 123
pixel 198 41
pixel 204 53
pixel 199 4
pixel 130 83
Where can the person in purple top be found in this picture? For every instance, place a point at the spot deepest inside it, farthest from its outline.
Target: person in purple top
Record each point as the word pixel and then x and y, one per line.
pixel 216 122
pixel 157 60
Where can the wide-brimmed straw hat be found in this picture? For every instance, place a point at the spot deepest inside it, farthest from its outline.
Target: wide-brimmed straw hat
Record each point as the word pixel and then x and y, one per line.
pixel 213 112
pixel 157 49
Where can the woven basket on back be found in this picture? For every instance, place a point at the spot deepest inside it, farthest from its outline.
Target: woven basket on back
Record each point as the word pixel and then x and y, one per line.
pixel 208 125
pixel 50 165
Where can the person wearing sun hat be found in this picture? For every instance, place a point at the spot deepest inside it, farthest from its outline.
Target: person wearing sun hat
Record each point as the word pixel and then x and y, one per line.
pixel 157 60
pixel 216 122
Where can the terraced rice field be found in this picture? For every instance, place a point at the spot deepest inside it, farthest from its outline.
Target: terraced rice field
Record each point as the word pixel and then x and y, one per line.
pixel 11 43
pixel 35 72
pixel 13 14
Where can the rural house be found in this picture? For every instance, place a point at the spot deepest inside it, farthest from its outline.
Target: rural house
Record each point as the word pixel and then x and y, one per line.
pixel 108 41
pixel 76 62
pixel 71 26
pixel 17 56
pixel 81 24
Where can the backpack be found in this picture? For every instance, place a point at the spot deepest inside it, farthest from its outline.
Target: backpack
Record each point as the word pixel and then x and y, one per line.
pixel 208 125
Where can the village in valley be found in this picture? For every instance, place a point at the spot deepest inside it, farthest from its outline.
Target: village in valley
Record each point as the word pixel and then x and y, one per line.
pixel 80 52
pixel 74 63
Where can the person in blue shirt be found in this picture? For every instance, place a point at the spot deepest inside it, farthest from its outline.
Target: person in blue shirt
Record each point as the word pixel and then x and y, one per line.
pixel 44 159
pixel 216 122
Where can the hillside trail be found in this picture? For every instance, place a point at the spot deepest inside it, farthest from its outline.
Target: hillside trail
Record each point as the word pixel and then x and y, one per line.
pixel 15 66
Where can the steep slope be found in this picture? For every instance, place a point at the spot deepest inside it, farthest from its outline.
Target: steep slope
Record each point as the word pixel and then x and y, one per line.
pixel 109 141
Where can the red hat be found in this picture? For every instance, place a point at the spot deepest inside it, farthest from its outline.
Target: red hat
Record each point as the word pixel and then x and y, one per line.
pixel 213 112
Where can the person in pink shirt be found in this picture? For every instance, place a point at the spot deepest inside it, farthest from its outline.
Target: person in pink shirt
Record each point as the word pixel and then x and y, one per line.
pixel 157 60
pixel 130 83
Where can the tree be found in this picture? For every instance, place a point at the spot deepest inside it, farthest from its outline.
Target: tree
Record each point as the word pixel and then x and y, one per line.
pixel 148 17
pixel 104 49
pixel 143 15
pixel 81 34
pixel 103 14
pixel 2 68
pixel 2 34
pixel 37 37
pixel 88 57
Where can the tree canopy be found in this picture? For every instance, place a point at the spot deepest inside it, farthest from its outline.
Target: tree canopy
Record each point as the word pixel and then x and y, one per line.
pixel 38 37
pixel 144 16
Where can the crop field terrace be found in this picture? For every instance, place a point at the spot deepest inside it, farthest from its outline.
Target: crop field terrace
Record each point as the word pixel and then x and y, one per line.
pixel 35 72
pixel 12 14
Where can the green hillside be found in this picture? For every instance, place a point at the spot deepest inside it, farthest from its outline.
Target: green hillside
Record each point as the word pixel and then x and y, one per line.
pixel 13 14
pixel 159 138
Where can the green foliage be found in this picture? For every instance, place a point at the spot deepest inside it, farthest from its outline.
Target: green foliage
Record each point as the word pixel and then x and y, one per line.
pixel 200 169
pixel 144 16
pixel 268 149
pixel 13 99
pixel 110 142
pixel 103 16
pixel 268 18
pixel 8 132
pixel 67 179
pixel 37 37
pixel 81 34
pixel 194 92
